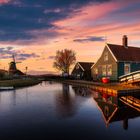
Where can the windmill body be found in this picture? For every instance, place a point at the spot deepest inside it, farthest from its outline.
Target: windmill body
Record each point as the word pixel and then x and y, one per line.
pixel 13 68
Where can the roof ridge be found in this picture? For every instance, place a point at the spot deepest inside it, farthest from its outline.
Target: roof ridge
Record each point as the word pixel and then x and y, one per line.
pixel 85 62
pixel 124 54
pixel 122 45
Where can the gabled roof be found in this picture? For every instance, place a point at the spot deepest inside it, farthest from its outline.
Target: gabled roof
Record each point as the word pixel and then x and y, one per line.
pixel 86 65
pixel 3 71
pixel 122 53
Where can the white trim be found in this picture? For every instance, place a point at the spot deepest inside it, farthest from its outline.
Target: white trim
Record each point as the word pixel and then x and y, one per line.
pixel 131 73
pixel 93 65
pixel 129 65
pixel 106 45
pixel 80 66
pixel 111 52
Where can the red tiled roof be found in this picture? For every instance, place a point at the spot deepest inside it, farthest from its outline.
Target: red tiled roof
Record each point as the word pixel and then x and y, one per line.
pixel 122 53
pixel 86 65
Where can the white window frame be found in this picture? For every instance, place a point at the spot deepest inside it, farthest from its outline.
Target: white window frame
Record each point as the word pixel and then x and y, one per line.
pixel 129 68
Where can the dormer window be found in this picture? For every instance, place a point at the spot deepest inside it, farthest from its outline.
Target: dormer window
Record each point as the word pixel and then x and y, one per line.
pixel 106 56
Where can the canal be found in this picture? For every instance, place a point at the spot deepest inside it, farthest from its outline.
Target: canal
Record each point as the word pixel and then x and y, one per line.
pixel 59 111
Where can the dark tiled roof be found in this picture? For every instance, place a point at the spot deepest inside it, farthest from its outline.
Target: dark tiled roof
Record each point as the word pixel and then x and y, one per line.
pixel 3 71
pixel 86 65
pixel 18 72
pixel 125 54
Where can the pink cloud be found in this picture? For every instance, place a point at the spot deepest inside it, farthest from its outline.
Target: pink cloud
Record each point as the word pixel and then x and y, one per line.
pixel 4 1
pixel 91 13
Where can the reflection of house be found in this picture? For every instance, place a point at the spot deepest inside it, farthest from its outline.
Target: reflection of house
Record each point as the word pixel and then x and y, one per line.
pixel 112 111
pixel 117 60
pixel 82 70
pixel 68 100
pixel 82 91
pixel 65 102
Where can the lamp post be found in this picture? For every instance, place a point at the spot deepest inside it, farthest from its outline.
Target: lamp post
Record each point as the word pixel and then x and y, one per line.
pixel 26 68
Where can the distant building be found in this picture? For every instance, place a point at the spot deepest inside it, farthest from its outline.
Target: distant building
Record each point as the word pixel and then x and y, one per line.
pixel 13 69
pixel 82 70
pixel 116 60
pixel 3 74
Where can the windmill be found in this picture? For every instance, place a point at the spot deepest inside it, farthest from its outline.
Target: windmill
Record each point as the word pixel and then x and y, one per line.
pixel 12 65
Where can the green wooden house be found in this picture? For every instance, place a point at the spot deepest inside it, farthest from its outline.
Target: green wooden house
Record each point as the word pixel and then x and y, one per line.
pixel 116 60
pixel 82 70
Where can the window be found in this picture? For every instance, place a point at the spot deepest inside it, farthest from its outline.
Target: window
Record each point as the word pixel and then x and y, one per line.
pixel 126 68
pixel 106 56
pixel 96 71
pixel 109 70
pixel 104 70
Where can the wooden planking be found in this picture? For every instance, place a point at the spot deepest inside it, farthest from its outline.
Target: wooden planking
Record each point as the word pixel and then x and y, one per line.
pixel 132 102
pixel 130 78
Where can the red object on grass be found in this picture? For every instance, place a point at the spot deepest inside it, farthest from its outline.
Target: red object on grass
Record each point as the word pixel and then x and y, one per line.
pixel 105 79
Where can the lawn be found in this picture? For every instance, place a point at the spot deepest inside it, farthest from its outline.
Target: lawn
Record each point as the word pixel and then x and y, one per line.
pixel 19 82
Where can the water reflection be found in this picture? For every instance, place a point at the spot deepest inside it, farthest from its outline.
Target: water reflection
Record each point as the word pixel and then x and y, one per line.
pixel 65 102
pixel 82 91
pixel 62 111
pixel 113 109
pixel 13 97
pixel 68 100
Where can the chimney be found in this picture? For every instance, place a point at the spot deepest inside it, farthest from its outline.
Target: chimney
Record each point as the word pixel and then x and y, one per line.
pixel 125 41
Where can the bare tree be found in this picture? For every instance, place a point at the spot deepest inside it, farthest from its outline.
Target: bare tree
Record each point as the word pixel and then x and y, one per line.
pixel 64 59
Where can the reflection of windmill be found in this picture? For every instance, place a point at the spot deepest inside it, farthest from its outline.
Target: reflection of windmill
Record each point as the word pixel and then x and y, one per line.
pixel 12 65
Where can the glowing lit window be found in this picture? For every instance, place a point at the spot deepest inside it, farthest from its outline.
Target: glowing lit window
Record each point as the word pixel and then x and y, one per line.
pixel 96 71
pixel 109 70
pixel 104 72
pixel 106 56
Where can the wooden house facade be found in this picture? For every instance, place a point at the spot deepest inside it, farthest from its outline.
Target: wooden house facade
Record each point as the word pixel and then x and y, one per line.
pixel 82 70
pixel 116 60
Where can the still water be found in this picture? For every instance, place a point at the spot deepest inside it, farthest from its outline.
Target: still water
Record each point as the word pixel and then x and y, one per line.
pixel 59 111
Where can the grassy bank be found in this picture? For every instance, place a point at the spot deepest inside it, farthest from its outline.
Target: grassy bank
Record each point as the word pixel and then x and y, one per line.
pixel 18 83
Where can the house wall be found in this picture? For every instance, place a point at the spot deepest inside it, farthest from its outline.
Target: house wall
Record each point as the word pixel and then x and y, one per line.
pixel 120 69
pixel 135 66
pixel 101 63
pixel 87 75
pixel 77 73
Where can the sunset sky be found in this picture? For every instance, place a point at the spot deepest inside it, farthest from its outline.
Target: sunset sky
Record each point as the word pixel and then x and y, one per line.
pixel 34 30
